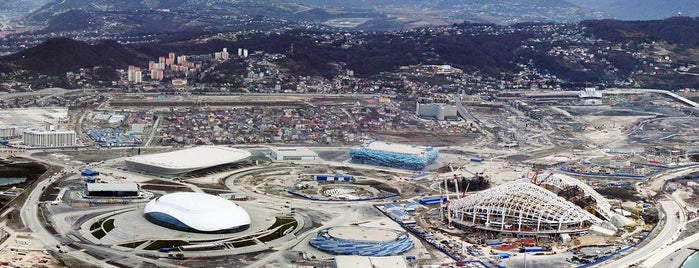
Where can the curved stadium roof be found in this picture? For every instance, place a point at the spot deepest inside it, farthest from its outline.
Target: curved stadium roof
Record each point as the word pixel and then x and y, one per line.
pixel 563 181
pixel 197 212
pixel 182 161
pixel 520 206
pixel 361 240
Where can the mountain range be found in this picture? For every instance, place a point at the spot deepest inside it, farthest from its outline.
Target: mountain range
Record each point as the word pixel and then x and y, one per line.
pixel 642 9
pixel 60 55
pixel 154 16
pixel 379 52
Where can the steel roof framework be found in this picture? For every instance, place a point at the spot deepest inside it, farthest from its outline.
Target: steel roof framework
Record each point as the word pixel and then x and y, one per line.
pixel 520 207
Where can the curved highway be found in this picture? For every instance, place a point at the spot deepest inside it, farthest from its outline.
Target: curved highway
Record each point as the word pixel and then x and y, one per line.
pixel 669 231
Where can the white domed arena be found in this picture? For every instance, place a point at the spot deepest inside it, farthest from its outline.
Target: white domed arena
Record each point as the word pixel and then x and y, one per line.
pixel 197 212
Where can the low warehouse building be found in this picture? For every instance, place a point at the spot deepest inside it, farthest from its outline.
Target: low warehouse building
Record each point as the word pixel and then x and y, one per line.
pixel 292 153
pixel 186 160
pixel 113 189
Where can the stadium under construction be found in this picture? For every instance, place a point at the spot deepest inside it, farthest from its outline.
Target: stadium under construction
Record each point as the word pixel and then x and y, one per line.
pixel 557 204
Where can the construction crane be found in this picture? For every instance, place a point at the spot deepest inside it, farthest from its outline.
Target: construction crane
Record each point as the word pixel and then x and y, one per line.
pixel 456 185
pixel 534 178
pixel 465 190
pixel 539 182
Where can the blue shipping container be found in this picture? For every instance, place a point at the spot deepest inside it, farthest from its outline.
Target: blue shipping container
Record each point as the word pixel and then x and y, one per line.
pixel 533 249
pixel 431 200
pixel 89 172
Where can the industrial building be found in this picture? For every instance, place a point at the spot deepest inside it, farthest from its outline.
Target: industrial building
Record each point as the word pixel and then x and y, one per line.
pixel 394 155
pixel 292 153
pixel 183 161
pixel 363 241
pixel 48 138
pixel 197 212
pixel 439 111
pixel 113 190
pixel 557 204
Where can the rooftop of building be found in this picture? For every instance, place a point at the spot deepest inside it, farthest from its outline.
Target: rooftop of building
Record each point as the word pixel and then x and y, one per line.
pixel 195 157
pixel 395 147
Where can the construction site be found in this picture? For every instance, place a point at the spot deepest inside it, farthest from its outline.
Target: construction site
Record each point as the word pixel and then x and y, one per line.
pixel 553 179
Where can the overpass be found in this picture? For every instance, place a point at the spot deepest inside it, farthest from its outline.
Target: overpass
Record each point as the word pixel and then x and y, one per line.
pixel 670 94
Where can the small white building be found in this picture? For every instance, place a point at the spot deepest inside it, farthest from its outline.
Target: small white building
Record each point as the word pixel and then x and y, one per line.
pixel 292 153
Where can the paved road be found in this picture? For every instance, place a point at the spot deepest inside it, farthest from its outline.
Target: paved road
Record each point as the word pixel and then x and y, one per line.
pixel 659 91
pixel 30 217
pixel 664 237
pixel 661 254
pixel 670 230
pixel 48 91
pixel 154 129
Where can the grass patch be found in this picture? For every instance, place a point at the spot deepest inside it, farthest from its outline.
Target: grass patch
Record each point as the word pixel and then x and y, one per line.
pixel 281 221
pixel 108 225
pixel 158 244
pixel 279 232
pixel 132 244
pixel 243 243
pixel 101 227
pixel 96 225
pixel 99 233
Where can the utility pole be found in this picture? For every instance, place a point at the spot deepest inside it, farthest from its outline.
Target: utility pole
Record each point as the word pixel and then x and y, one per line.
pixel 441 202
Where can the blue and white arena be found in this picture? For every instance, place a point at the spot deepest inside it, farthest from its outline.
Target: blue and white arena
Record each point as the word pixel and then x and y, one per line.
pixel 394 155
pixel 363 241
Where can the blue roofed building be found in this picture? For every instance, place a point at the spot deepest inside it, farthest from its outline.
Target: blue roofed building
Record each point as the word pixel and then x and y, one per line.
pixel 394 155
pixel 363 241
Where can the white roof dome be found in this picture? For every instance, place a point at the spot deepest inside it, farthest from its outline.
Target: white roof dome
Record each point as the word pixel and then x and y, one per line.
pixel 199 211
